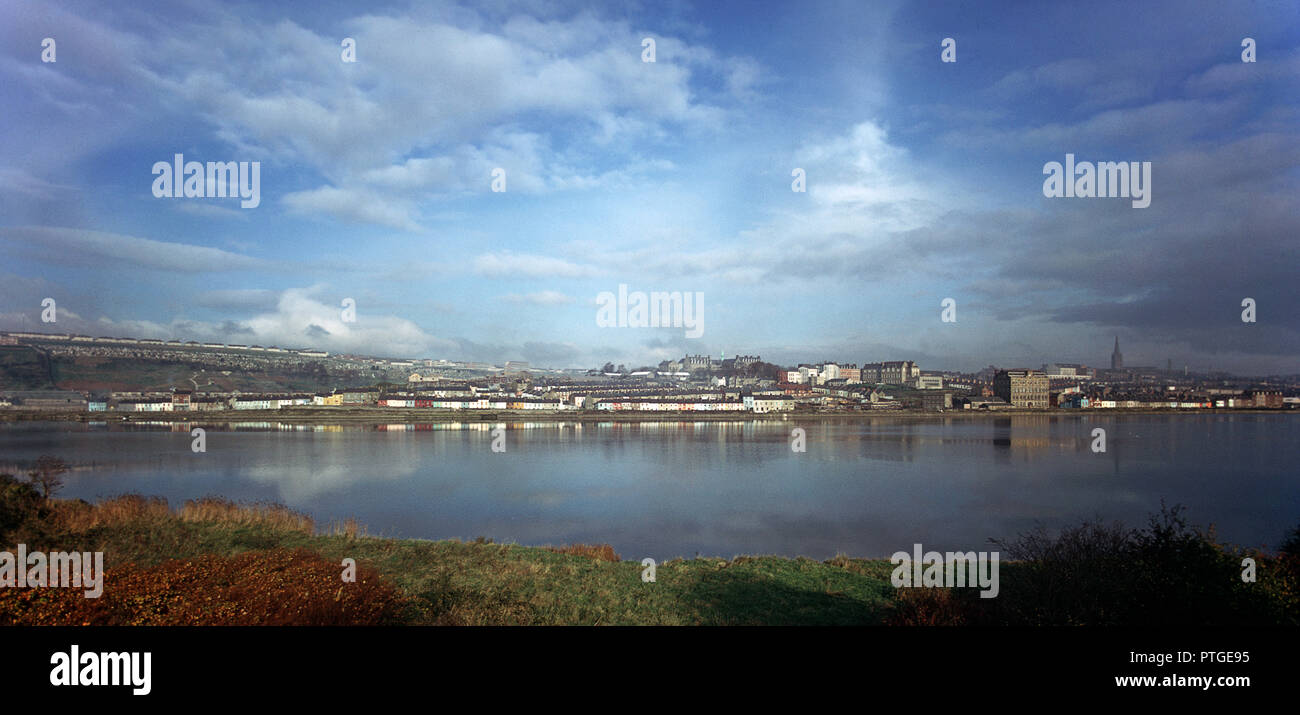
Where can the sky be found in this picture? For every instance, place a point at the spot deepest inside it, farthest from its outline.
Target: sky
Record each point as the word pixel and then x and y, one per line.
pixel 924 179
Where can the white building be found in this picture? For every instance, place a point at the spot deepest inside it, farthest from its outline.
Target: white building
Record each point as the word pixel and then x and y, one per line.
pixel 929 382
pixel 148 406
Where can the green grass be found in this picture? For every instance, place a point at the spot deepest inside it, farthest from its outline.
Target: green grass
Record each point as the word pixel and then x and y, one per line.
pixel 1094 574
pixel 453 582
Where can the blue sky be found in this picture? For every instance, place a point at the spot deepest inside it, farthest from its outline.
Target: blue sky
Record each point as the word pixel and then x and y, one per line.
pixel 924 178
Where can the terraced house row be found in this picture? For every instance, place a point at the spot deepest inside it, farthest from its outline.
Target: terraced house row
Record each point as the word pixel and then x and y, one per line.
pixel 758 404
pixel 474 403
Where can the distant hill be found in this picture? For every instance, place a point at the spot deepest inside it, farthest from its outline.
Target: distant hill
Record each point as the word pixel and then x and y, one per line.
pixel 24 368
pixel 108 374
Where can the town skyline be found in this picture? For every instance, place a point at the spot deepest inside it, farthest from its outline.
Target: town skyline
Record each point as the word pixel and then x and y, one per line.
pixel 14 337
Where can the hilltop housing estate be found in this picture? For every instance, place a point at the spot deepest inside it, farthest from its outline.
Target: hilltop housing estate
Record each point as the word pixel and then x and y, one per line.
pixel 693 383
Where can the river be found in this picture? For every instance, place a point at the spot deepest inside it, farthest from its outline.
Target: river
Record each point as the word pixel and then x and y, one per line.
pixel 666 489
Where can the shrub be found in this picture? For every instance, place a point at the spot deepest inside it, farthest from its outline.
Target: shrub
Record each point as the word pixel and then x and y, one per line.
pixel 48 475
pixel 21 506
pixel 1097 574
pixel 1291 544
pixel 929 607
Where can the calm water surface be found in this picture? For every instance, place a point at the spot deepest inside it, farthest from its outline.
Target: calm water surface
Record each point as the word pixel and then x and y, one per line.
pixel 677 489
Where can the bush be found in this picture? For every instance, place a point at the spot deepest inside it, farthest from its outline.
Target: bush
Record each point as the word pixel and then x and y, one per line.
pixel 1291 544
pixel 1288 581
pixel 21 505
pixel 48 475
pixel 930 607
pixel 1168 573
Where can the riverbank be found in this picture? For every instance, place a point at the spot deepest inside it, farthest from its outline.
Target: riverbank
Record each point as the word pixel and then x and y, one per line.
pixel 216 563
pixel 379 415
pixel 163 567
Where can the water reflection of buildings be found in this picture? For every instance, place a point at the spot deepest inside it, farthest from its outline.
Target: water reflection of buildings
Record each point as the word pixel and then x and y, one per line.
pixel 186 427
pixel 1017 437
pixel 653 437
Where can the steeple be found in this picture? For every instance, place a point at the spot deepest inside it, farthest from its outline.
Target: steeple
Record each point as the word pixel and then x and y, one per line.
pixel 1116 358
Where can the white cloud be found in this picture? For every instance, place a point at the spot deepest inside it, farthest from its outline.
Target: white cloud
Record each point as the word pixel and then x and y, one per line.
pixel 545 297
pixel 80 246
pixel 297 312
pixel 429 106
pixel 297 320
pixel 1180 121
pixel 239 299
pixel 515 265
pixel 865 194
pixel 1238 75
pixel 18 181
pixel 214 210
pixel 358 205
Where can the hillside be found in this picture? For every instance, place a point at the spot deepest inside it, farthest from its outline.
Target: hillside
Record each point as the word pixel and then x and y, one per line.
pixel 24 368
pixel 27 368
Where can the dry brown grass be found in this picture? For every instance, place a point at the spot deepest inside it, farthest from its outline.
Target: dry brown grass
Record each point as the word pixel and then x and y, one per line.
pixel 275 516
pixel 80 516
pixel 134 508
pixel 599 552
pixel 348 528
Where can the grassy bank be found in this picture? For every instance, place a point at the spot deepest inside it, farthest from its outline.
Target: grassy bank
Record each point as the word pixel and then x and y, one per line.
pixel 478 583
pixel 214 562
